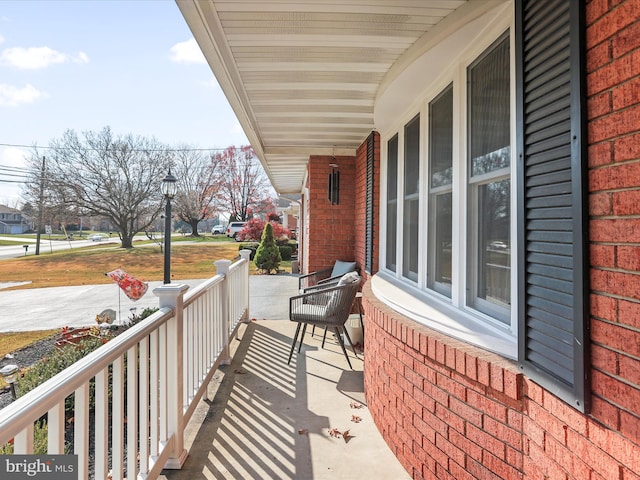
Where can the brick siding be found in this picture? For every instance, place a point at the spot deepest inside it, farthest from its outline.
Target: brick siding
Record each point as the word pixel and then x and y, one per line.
pixel 329 229
pixel 452 411
pixel 613 86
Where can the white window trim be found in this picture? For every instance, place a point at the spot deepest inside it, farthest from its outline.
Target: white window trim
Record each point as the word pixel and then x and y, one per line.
pixel 413 299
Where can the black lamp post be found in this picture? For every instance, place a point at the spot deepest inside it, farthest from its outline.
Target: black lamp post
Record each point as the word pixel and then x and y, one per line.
pixel 169 188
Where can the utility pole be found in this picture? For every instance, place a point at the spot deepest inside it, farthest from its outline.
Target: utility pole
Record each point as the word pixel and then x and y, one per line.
pixel 40 206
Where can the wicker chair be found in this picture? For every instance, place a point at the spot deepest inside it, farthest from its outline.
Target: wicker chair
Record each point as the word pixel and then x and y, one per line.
pixel 327 307
pixel 325 276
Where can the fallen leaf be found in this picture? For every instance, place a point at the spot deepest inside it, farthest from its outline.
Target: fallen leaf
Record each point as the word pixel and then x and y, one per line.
pixel 346 436
pixel 239 371
pixel 356 419
pixel 334 432
pixel 303 431
pixel 356 405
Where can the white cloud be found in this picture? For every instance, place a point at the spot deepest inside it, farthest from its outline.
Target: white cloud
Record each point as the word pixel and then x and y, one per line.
pixel 37 57
pixel 14 157
pixel 12 96
pixel 1 39
pixel 186 52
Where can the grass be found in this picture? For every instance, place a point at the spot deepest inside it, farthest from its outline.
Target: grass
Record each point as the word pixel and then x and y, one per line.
pixel 190 259
pixel 87 266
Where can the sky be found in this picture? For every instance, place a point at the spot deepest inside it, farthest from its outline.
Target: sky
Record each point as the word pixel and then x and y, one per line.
pixel 83 65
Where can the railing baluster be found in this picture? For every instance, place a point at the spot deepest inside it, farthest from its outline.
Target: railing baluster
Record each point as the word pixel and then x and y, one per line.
pixel 117 419
pixel 162 383
pixel 101 421
pixel 80 430
pixel 132 411
pixel 154 400
pixel 55 429
pixel 23 441
pixel 145 406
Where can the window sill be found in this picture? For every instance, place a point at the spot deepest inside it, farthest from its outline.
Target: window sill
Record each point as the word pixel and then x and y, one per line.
pixel 442 317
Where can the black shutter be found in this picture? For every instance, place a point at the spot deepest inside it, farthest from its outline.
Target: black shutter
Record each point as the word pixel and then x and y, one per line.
pixel 369 213
pixel 552 201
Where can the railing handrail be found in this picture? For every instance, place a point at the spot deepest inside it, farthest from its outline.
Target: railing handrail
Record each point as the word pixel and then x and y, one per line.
pixel 191 329
pixel 19 414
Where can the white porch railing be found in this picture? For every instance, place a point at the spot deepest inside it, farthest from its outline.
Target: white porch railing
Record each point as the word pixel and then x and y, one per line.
pixel 146 383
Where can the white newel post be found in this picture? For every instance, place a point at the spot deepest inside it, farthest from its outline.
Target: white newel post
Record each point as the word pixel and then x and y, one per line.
pixel 222 268
pixel 171 295
pixel 245 254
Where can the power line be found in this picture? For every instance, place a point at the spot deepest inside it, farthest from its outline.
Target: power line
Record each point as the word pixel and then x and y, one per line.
pixel 11 168
pixel 12 181
pixel 12 175
pixel 132 150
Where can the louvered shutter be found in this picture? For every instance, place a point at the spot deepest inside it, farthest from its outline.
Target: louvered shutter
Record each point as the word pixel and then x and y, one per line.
pixel 369 230
pixel 552 209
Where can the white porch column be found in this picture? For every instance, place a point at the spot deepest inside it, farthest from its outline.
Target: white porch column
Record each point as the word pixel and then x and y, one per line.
pixel 171 295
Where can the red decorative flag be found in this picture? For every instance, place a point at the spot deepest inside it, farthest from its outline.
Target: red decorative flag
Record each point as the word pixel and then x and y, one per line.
pixel 132 287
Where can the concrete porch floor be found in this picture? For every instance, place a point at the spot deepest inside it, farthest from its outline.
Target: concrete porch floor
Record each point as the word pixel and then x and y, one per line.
pixel 270 420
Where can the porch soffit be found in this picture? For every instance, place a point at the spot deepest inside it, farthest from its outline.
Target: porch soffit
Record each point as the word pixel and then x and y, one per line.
pixel 303 76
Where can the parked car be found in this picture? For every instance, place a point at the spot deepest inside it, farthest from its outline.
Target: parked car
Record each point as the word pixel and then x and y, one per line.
pixel 217 230
pixel 233 228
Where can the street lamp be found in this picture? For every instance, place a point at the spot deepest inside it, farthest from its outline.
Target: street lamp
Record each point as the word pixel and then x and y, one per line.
pixel 168 188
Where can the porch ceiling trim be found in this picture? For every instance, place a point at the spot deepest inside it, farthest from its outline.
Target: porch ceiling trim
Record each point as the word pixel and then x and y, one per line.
pixel 303 77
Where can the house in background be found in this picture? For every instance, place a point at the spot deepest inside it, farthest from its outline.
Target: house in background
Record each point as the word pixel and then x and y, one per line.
pixel 12 221
pixel 288 208
pixel 480 160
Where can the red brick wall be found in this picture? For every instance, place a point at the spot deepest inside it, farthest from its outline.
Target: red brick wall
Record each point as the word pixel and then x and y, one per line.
pixel 361 206
pixel 329 229
pixel 451 411
pixel 613 87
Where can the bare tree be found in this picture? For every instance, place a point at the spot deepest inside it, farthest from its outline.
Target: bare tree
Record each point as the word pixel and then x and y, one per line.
pixel 243 184
pixel 197 187
pixel 115 177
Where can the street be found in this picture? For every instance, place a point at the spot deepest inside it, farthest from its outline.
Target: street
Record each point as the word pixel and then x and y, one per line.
pixel 47 246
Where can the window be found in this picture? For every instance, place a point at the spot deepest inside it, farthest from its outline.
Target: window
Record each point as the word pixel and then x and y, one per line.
pixel 475 124
pixel 411 207
pixel 392 202
pixel 458 244
pixel 440 186
pixel 489 253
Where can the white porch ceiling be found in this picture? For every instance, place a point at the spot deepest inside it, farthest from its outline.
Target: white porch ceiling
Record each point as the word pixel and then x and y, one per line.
pixel 303 76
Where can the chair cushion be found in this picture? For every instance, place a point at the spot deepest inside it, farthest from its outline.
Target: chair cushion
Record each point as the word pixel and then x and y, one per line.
pixel 340 268
pixel 347 278
pixel 309 313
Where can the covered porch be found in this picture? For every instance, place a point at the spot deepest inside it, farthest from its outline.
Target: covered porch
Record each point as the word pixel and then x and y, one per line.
pixel 267 419
pixel 202 389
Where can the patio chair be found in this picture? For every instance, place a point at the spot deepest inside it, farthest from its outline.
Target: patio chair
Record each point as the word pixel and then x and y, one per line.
pixel 327 307
pixel 326 275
